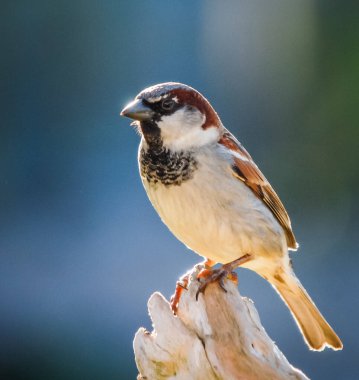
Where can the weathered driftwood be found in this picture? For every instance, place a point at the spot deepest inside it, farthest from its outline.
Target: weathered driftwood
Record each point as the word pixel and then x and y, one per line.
pixel 217 337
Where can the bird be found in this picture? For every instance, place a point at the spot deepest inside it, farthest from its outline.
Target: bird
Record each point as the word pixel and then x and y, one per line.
pixel 212 196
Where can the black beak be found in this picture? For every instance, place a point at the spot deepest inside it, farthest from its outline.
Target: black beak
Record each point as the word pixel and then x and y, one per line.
pixel 137 110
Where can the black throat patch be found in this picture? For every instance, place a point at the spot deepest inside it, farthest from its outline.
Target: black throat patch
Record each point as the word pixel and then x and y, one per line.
pixel 158 164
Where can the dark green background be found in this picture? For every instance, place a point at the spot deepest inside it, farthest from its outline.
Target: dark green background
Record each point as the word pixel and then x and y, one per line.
pixel 81 248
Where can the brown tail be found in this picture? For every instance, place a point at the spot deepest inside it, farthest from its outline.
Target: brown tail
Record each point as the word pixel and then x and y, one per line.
pixel 314 328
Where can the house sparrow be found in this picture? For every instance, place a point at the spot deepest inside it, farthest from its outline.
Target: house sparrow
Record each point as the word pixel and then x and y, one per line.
pixel 212 196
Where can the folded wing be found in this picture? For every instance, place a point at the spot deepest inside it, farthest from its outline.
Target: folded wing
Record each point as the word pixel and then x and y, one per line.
pixel 247 171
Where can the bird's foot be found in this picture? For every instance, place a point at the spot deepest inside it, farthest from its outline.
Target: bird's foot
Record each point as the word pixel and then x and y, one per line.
pixel 207 276
pixel 181 285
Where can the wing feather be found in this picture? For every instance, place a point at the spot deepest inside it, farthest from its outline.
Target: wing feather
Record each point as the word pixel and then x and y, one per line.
pixel 247 171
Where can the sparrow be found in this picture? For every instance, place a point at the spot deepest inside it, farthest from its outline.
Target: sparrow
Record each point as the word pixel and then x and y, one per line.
pixel 212 196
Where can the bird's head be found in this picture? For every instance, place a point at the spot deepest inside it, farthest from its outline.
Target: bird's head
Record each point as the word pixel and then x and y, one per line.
pixel 176 115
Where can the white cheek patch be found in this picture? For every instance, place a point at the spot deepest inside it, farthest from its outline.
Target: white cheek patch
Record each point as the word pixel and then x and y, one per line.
pixel 183 130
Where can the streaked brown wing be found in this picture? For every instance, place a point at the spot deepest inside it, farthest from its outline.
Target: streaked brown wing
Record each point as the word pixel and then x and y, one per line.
pixel 247 171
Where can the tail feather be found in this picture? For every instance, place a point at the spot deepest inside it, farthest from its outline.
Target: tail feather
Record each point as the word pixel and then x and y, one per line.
pixel 315 329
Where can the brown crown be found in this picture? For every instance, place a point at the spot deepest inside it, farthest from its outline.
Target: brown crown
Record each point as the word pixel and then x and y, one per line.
pixel 185 95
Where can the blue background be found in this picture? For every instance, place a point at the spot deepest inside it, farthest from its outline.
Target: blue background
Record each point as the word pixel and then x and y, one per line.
pixel 81 248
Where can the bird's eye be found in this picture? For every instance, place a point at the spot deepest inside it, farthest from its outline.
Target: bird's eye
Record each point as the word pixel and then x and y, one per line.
pixel 167 104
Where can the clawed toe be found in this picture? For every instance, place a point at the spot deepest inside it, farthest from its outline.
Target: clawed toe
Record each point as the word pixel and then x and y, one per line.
pixel 207 276
pixel 181 285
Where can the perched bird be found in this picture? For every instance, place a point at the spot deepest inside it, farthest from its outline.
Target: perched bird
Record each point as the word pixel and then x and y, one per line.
pixel 209 192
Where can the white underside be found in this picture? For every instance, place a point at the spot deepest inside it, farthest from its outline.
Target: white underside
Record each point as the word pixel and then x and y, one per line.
pixel 218 216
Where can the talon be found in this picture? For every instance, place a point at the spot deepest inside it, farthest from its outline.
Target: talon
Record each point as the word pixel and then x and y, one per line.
pixel 181 285
pixel 207 276
pixel 221 284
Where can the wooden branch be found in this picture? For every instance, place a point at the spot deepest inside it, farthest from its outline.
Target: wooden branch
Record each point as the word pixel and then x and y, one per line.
pixel 218 337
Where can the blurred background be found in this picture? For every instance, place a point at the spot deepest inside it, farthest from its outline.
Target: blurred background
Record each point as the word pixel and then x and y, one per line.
pixel 81 248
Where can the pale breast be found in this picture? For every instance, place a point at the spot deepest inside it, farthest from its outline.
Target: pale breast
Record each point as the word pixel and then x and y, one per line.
pixel 215 214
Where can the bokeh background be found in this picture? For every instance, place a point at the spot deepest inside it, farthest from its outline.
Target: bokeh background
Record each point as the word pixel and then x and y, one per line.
pixel 81 248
